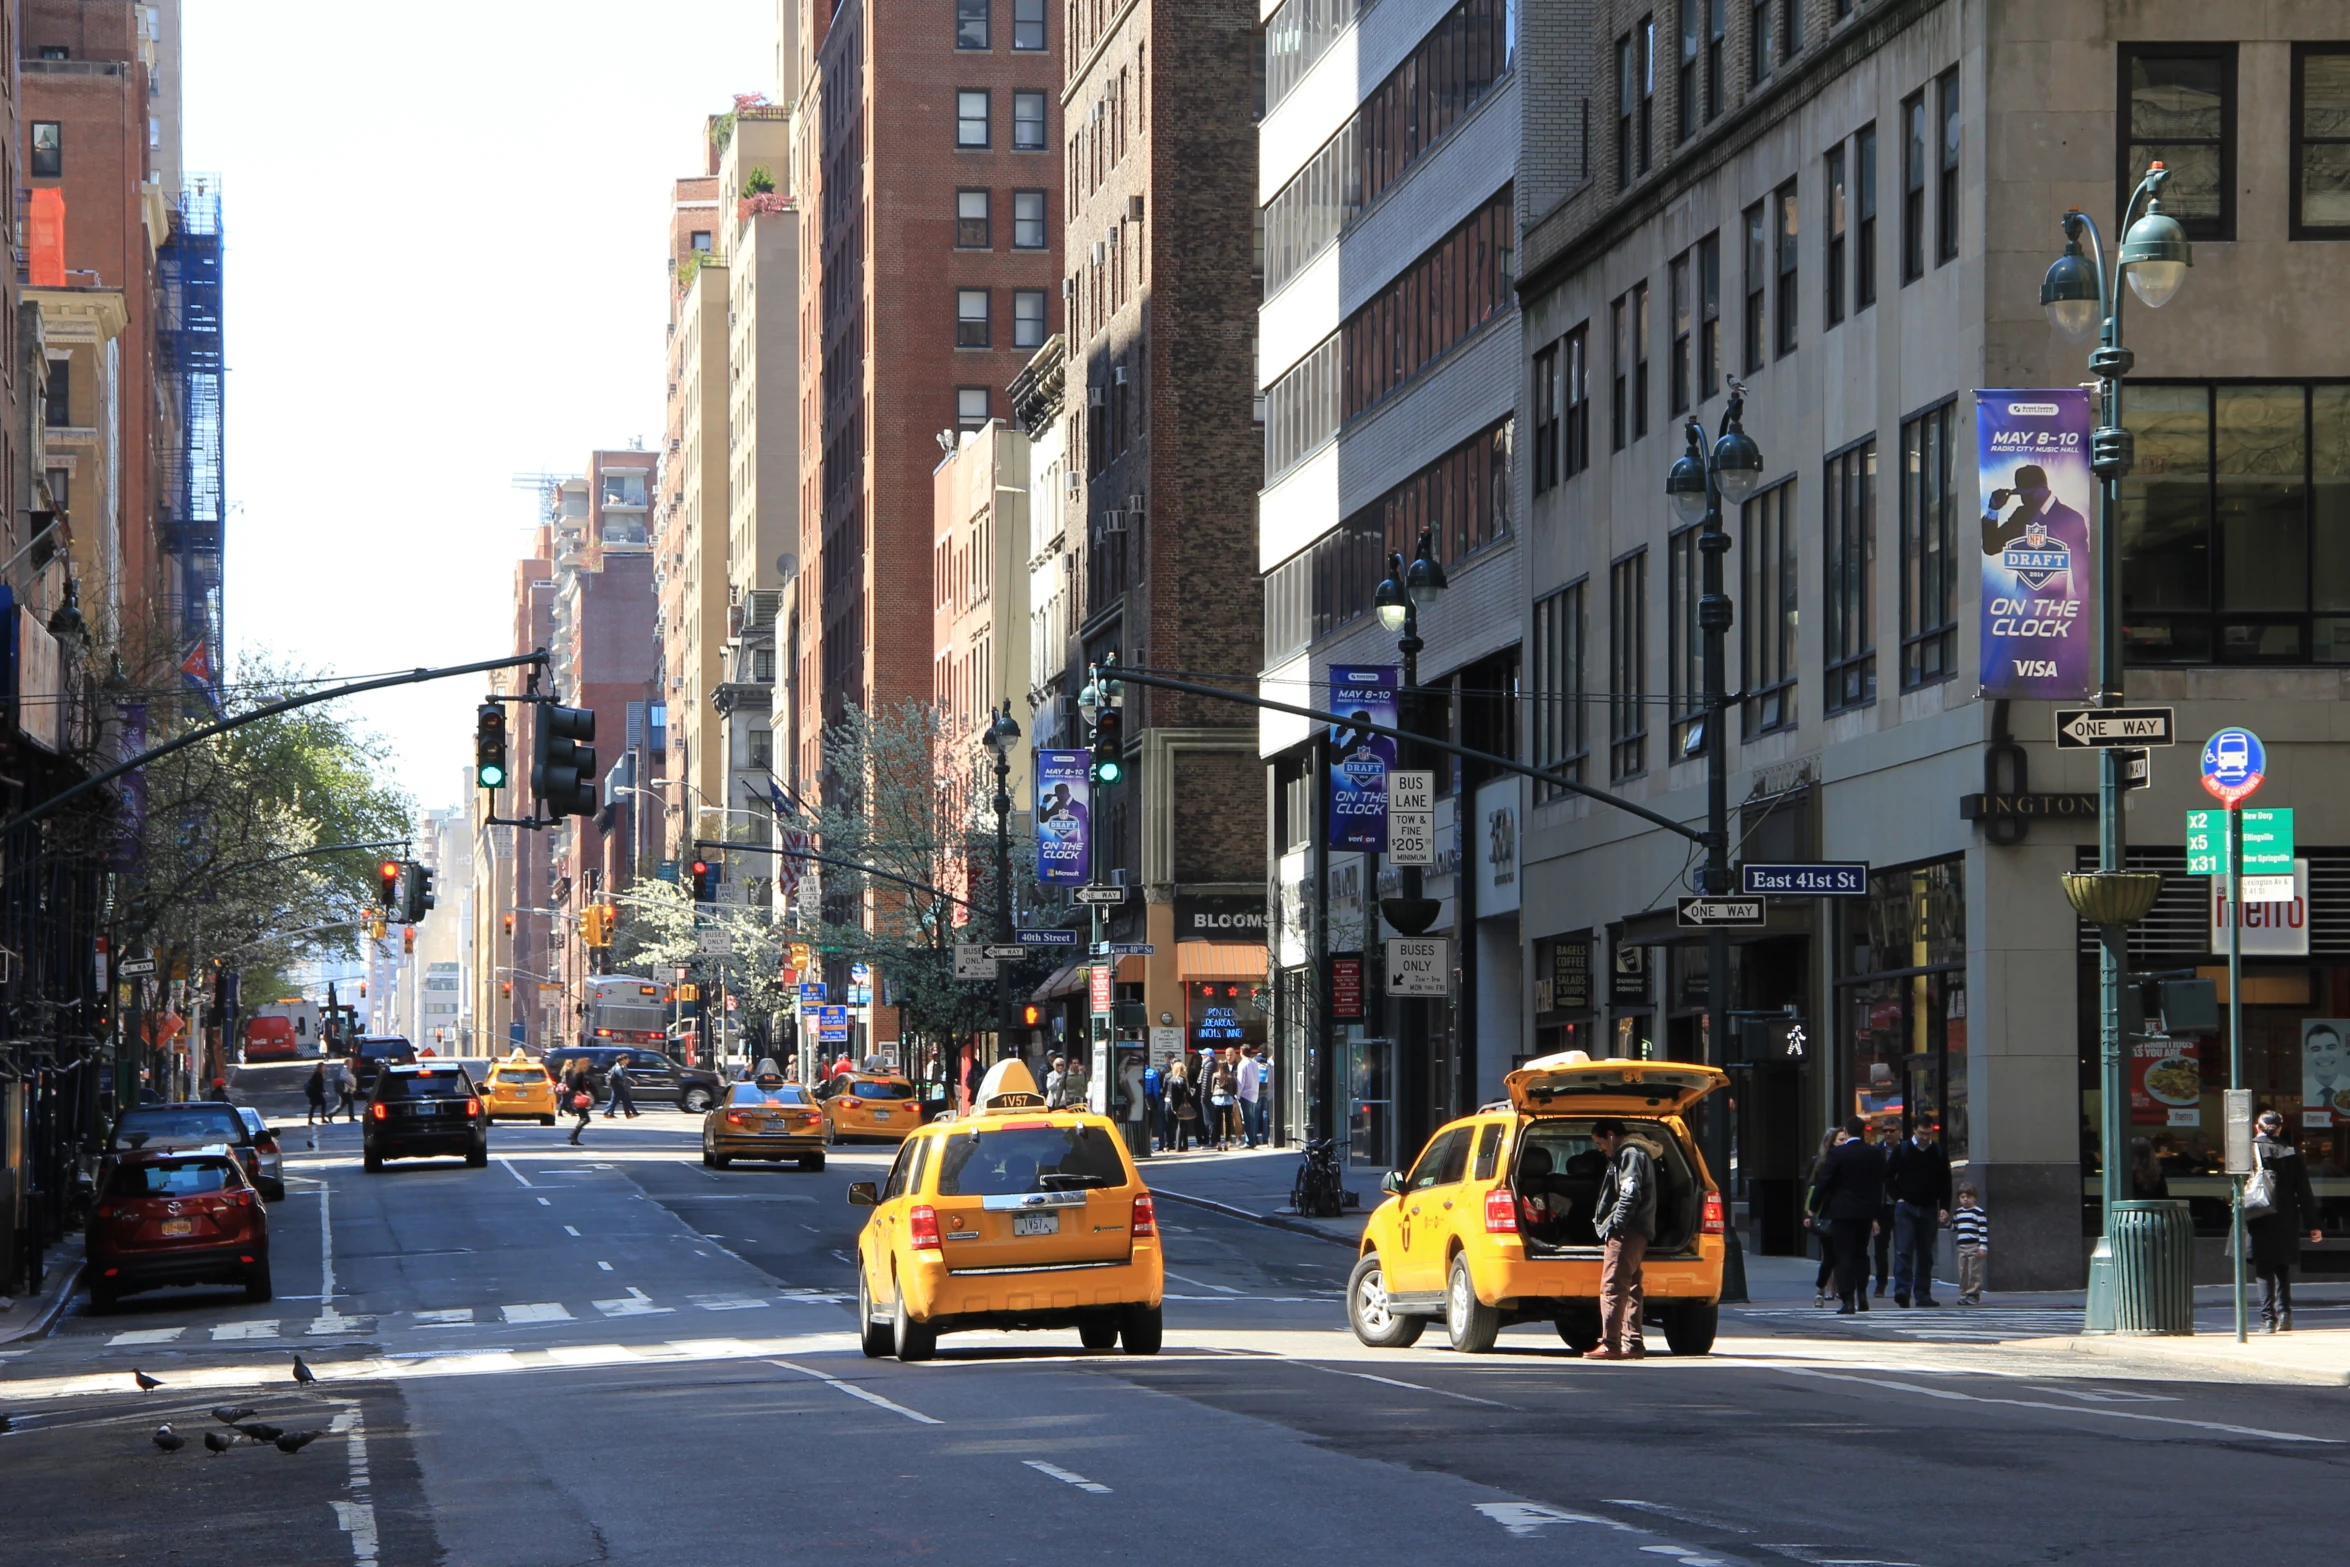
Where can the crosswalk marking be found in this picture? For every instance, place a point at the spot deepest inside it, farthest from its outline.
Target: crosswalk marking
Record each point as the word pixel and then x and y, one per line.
pixel 237 1330
pixel 456 1317
pixel 145 1336
pixel 726 1302
pixel 542 1311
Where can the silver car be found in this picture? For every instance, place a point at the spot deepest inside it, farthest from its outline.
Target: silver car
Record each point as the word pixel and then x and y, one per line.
pixel 270 1174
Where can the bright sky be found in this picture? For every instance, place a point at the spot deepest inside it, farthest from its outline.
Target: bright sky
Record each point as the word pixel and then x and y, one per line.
pixel 446 226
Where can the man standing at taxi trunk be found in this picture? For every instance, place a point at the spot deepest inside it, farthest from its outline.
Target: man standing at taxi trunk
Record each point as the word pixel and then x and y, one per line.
pixel 1626 1224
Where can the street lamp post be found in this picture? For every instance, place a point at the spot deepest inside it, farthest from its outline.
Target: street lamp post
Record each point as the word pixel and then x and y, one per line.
pixel 1003 733
pixel 1698 485
pixel 2078 296
pixel 1406 591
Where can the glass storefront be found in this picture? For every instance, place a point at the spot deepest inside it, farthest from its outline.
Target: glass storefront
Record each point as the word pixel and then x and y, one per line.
pixel 1901 1002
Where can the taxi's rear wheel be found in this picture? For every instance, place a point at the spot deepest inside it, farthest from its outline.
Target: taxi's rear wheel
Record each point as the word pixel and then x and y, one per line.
pixel 720 1161
pixel 1142 1330
pixel 1100 1333
pixel 913 1340
pixel 813 1161
pixel 1368 1313
pixel 1471 1324
pixel 1690 1327
pixel 873 1334
pixel 546 1120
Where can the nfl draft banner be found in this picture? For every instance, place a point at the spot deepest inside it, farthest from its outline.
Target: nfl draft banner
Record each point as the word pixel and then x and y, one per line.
pixel 1359 759
pixel 1064 837
pixel 2039 621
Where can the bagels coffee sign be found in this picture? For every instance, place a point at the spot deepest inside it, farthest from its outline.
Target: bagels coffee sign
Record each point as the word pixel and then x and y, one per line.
pixel 1220 917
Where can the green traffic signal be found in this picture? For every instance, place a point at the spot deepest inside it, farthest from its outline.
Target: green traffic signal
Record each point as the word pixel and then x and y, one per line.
pixel 491 775
pixel 1109 770
pixel 489 746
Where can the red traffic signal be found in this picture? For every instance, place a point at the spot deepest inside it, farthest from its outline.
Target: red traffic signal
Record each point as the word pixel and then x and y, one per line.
pixel 388 874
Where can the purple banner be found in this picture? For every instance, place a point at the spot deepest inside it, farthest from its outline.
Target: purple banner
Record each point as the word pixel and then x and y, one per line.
pixel 1064 821
pixel 2037 495
pixel 1360 760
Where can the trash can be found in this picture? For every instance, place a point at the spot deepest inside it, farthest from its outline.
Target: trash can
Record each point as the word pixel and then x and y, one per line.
pixel 2153 1268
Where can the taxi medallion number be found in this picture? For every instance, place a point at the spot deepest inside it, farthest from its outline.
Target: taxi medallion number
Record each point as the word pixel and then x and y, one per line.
pixel 1036 1224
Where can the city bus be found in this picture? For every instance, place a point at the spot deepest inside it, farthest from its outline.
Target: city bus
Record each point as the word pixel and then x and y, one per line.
pixel 625 1010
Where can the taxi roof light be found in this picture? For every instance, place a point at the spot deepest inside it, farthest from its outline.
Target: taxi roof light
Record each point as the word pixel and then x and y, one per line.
pixel 1009 1085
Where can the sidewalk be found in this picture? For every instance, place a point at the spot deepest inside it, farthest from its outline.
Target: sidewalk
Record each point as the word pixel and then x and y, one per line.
pixel 1256 1185
pixel 30 1316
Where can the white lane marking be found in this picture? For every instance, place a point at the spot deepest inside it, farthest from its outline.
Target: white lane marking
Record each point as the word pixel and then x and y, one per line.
pixel 357 1516
pixel 1531 1518
pixel 329 1320
pixel 1678 1514
pixel 455 1317
pixel 2108 1395
pixel 544 1203
pixel 1810 1554
pixel 517 1174
pixel 726 1302
pixel 854 1391
pixel 811 1229
pixel 542 1311
pixel 1953 1395
pixel 607 1267
pixel 145 1336
pixel 1684 1555
pixel 568 1230
pixel 1067 1477
pixel 1201 1283
pixel 235 1330
pixel 1414 1386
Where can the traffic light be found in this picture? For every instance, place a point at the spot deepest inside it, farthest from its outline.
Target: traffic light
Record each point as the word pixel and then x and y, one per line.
pixel 563 765
pixel 799 955
pixel 701 880
pixel 408 938
pixel 595 924
pixel 489 746
pixel 387 876
pixel 1032 1014
pixel 509 924
pixel 416 897
pixel 1109 745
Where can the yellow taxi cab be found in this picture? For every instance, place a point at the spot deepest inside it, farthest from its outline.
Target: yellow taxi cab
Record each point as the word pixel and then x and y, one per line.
pixel 516 1086
pixel 765 1118
pixel 1493 1224
pixel 870 1104
pixel 1013 1217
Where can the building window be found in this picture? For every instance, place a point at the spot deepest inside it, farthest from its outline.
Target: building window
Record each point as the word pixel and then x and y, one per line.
pixel 1301 409
pixel 2321 141
pixel 1028 220
pixel 1864 228
pixel 2179 101
pixel 1684 643
pixel 1913 188
pixel 971 24
pixel 48 149
pixel 700 241
pixel 1790 28
pixel 1546 418
pixel 1640 398
pixel 1849 639
pixel 1028 24
pixel 763 665
pixel 1647 45
pixel 60 489
pixel 1760 50
pixel 1630 316
pixel 1577 435
pixel 1709 316
pixel 1627 666
pixel 1788 237
pixel 1757 281
pixel 1946 191
pixel 1834 212
pixel 1678 367
pixel 1028 318
pixel 1560 688
pixel 971 318
pixel 970 407
pixel 1717 35
pixel 971 119
pixel 1685 84
pixel 57 394
pixel 762 749
pixel 1626 100
pixel 1448 294
pixel 1027 122
pixel 1767 554
pixel 2235 524
pixel 1929 551
pixel 971 220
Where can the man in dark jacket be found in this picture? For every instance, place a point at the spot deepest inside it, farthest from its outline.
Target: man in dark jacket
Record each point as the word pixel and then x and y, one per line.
pixel 1850 1185
pixel 1626 1223
pixel 1919 1174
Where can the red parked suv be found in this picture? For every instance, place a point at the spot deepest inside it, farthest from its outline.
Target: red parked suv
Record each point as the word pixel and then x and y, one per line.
pixel 186 1216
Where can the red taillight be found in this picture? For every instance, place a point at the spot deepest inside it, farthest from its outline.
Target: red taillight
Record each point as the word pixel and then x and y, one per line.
pixel 106 1213
pixel 378 1111
pixel 473 1107
pixel 852 1104
pixel 244 1199
pixel 1713 1214
pixel 734 1118
pixel 1146 1217
pixel 922 1227
pixel 1501 1212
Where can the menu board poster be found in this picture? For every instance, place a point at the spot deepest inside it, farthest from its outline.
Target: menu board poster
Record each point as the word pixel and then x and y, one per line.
pixel 2166 1082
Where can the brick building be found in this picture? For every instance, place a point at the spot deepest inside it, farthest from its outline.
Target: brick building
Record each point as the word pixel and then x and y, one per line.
pixel 689 559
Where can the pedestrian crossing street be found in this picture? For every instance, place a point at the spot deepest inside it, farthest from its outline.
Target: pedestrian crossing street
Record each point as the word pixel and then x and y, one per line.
pixel 454 1320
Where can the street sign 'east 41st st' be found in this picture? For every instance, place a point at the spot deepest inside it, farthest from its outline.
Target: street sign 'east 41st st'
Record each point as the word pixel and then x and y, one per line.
pixel 1833 879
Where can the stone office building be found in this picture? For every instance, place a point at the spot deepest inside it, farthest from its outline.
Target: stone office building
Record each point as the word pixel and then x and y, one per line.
pixel 1850 207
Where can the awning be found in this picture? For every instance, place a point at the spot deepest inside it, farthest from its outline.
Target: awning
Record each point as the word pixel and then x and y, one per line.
pixel 1220 959
pixel 1068 980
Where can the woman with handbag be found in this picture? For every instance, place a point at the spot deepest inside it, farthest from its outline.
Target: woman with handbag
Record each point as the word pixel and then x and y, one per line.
pixel 1221 1098
pixel 1182 1105
pixel 2279 1208
pixel 579 1094
pixel 1816 1222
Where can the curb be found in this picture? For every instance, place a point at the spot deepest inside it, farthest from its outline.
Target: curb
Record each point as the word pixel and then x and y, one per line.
pixel 2197 1359
pixel 1273 1220
pixel 41 1326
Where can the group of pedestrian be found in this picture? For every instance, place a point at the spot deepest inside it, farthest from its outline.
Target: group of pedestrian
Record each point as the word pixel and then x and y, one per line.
pixel 1210 1098
pixel 1065 1084
pixel 1891 1199
pixel 342 1081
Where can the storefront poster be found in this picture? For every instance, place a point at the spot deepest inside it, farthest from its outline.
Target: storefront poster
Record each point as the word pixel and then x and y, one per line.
pixel 1064 827
pixel 2325 1072
pixel 2037 494
pixel 2166 1083
pixel 1359 759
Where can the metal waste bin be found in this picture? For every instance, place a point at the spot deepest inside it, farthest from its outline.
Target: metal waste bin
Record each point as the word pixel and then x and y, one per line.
pixel 2153 1268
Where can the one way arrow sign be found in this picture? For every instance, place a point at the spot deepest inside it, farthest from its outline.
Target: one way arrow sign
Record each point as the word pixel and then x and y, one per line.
pixel 2095 728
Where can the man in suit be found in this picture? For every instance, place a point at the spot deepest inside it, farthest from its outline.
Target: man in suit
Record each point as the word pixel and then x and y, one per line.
pixel 1851 1184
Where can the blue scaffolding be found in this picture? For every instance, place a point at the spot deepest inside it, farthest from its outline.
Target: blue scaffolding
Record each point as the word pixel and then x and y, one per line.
pixel 193 509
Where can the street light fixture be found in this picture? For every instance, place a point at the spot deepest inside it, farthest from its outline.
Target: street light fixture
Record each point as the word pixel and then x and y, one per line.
pixel 1697 486
pixel 1002 737
pixel 2154 257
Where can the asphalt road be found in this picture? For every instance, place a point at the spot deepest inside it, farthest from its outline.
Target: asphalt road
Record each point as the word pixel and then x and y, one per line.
pixel 610 1354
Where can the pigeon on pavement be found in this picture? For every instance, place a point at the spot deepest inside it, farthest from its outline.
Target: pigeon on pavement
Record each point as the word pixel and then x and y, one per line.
pixel 230 1414
pixel 262 1430
pixel 147 1384
pixel 216 1444
pixel 168 1439
pixel 302 1373
pixel 295 1441
pixel 8 1422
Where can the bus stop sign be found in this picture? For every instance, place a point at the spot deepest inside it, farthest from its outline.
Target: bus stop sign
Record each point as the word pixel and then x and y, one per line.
pixel 2235 764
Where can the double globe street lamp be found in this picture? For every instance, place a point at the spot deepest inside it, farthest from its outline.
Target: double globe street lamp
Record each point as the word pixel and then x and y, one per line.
pixel 1402 594
pixel 1002 737
pixel 2078 297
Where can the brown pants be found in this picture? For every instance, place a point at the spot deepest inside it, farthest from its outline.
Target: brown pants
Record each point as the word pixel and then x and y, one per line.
pixel 1619 1293
pixel 1970 1272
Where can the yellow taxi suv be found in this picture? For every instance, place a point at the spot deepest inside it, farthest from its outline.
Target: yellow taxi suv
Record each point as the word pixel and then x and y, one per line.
pixel 515 1088
pixel 1493 1223
pixel 1013 1217
pixel 862 1104
pixel 766 1118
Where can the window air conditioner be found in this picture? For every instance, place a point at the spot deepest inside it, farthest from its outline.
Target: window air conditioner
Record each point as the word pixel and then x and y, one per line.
pixel 1069 481
pixel 1094 397
pixel 1134 209
pixel 1113 522
pixel 1134 504
pixel 1118 374
pixel 1068 288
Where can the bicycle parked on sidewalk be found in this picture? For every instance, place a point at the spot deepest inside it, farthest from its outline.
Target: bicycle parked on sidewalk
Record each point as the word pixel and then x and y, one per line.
pixel 1320 1192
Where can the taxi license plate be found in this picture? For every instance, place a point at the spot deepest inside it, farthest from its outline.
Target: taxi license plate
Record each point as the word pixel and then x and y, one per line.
pixel 179 1226
pixel 1036 1224
pixel 881 1115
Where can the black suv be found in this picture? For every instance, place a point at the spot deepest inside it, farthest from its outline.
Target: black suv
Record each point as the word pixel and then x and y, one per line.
pixel 651 1075
pixel 375 1051
pixel 423 1108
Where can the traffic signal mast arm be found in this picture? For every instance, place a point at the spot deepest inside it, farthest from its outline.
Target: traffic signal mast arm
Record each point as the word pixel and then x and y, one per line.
pixel 829 859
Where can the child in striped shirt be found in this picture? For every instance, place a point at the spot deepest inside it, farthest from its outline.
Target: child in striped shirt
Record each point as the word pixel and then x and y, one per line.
pixel 1970 1227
